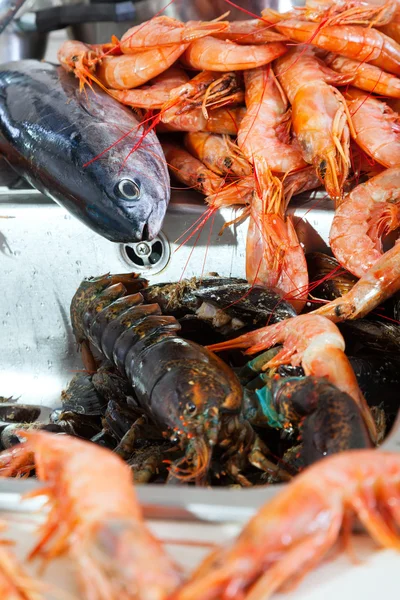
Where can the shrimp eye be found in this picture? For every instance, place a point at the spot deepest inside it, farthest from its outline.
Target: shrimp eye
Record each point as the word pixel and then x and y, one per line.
pixel 128 189
pixel 175 439
pixel 191 407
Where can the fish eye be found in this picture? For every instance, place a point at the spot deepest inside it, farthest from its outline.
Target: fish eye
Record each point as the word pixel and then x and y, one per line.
pixel 128 189
pixel 191 407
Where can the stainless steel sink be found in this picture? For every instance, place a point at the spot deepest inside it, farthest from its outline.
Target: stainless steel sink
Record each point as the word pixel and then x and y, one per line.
pixel 45 253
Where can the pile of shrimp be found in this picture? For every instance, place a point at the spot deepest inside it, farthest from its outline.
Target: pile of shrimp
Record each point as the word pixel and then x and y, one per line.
pixel 254 112
pixel 95 521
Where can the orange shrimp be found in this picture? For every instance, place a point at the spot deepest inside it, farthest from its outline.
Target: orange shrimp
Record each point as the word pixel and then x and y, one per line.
pixel 220 55
pixel 165 31
pixel 292 533
pixel 392 29
pixel 80 59
pixel 96 520
pixel 313 342
pixel 299 182
pixel 129 71
pixel 249 32
pixel 206 89
pixel 378 284
pixel 376 127
pixel 350 12
pixel 241 191
pixel 353 41
pixel 362 164
pixel 274 256
pixel 319 116
pixel 15 584
pixel 267 111
pixel 221 120
pixel 365 76
pixel 218 153
pixel 154 95
pixel 191 171
pixel 369 212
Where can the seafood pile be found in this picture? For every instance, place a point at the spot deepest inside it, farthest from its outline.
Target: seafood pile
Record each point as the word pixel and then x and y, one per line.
pixel 177 413
pixel 251 113
pixel 219 381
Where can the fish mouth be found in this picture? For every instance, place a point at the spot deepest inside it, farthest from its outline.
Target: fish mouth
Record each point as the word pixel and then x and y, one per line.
pixel 152 227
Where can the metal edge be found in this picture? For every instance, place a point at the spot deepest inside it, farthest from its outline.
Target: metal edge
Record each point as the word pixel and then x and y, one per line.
pixel 159 502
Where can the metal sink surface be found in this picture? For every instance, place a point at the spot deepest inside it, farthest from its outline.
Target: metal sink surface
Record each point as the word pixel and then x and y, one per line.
pixel 45 253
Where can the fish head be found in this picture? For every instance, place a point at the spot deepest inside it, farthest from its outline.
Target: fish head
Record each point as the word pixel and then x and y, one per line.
pixel 125 166
pixel 134 192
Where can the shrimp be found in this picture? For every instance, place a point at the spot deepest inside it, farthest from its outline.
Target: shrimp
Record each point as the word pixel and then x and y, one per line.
pixel 218 153
pixel 249 32
pixel 80 59
pixel 15 584
pixel 376 128
pixel 362 164
pixel 95 519
pixel 129 71
pixel 392 29
pixel 267 112
pixel 219 55
pixel 222 120
pixel 293 532
pixel 206 89
pixel 154 95
pixel 313 342
pixel 299 182
pixel 165 31
pixel 353 41
pixel 274 256
pixel 190 170
pixel 369 212
pixel 366 77
pixel 241 191
pixel 350 12
pixel 378 284
pixel 319 116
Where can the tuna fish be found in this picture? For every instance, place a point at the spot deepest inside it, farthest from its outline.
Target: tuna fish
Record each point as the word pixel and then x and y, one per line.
pixel 50 133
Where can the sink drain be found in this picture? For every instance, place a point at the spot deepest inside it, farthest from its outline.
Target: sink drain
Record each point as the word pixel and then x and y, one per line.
pixel 148 256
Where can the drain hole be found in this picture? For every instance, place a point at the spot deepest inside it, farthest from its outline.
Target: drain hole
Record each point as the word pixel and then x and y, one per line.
pixel 146 256
pixel 131 254
pixel 156 254
pixel 142 260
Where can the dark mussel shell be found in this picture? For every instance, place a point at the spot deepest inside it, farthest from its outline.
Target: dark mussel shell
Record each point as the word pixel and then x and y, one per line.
pixel 119 418
pixel 21 413
pixel 9 437
pixel 334 280
pixel 77 424
pixel 378 376
pixel 201 332
pixel 377 335
pixel 81 396
pixel 246 305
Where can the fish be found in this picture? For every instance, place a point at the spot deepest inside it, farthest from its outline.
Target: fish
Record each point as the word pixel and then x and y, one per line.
pixel 83 150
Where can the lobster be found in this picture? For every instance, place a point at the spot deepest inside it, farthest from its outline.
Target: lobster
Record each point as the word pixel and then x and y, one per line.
pixel 192 396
